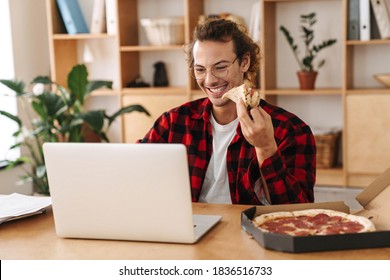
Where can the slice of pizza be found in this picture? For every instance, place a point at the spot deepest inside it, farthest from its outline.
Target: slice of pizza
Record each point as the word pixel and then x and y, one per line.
pixel 251 98
pixel 312 222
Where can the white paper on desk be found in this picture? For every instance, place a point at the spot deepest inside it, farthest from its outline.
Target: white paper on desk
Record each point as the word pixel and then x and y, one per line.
pixel 18 205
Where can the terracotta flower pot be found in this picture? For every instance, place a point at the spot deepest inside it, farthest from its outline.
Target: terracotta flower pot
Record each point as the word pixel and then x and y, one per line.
pixel 89 134
pixel 307 79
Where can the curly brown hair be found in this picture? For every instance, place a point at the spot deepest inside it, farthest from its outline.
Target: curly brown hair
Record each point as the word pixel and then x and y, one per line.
pixel 222 30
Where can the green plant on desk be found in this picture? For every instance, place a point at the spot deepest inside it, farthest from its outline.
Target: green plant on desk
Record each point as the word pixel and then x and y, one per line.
pixel 54 113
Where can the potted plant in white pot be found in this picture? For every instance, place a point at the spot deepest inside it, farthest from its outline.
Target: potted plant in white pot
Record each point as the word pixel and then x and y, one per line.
pixel 308 70
pixel 54 113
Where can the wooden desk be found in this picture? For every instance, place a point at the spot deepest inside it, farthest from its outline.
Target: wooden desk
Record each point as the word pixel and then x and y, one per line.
pixel 35 238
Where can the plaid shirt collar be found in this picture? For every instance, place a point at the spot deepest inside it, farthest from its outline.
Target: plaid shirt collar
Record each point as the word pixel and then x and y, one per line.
pixel 204 113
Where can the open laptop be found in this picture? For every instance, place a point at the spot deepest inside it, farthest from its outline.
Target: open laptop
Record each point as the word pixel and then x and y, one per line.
pixel 138 192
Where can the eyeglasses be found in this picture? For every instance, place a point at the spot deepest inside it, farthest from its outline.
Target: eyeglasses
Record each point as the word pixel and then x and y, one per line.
pixel 219 70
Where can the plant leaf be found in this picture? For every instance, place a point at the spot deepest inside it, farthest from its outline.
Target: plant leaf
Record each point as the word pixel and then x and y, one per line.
pixel 12 117
pixel 289 39
pixel 16 162
pixel 104 137
pixel 95 119
pixel 307 61
pixel 127 109
pixel 324 44
pixel 308 16
pixel 39 109
pixel 321 63
pixel 42 80
pixel 77 82
pixel 54 104
pixel 308 35
pixel 94 85
pixel 15 85
pixel 40 171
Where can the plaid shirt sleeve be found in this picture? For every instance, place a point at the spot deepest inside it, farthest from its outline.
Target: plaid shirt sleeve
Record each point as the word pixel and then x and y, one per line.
pixel 289 174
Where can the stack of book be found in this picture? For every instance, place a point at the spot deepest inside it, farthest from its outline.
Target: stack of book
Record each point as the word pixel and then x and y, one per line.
pixel 103 19
pixel 368 19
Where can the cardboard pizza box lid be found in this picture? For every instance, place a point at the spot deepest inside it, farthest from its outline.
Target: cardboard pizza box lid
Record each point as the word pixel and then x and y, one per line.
pixel 375 201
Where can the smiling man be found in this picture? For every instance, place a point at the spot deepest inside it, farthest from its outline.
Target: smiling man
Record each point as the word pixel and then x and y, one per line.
pixel 262 156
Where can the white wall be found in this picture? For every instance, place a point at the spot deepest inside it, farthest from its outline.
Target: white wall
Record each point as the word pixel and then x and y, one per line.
pixel 30 40
pixel 7 100
pixel 30 58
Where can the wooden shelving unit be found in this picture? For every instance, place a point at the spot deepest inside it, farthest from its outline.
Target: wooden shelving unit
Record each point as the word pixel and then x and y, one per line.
pixel 365 149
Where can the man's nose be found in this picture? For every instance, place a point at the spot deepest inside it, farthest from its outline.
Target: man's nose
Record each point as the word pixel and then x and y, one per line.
pixel 209 77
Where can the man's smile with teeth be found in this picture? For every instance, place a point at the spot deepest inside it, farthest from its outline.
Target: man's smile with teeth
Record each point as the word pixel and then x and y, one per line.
pixel 217 90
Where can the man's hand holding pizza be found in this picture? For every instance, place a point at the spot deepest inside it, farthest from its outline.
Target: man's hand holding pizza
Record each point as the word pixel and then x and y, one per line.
pixel 256 124
pixel 257 128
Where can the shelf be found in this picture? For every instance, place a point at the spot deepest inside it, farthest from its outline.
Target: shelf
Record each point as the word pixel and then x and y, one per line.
pixel 295 91
pixel 276 1
pixel 155 90
pixel 150 48
pixel 85 36
pixel 105 92
pixel 365 91
pixel 368 42
pixel 330 177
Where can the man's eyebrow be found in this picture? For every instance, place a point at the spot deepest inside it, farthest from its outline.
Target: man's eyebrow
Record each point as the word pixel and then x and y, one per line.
pixel 219 62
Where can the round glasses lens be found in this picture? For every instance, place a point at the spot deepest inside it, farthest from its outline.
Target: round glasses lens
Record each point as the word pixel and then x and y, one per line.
pixel 218 71
pixel 201 74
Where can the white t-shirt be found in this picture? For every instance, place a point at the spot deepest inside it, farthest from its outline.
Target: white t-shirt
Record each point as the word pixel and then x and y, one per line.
pixel 215 187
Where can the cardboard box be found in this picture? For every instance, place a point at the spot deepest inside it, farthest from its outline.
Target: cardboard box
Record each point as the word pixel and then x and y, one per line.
pixel 375 206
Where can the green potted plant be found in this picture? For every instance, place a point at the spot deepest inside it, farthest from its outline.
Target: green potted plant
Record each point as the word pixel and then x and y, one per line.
pixel 54 113
pixel 308 71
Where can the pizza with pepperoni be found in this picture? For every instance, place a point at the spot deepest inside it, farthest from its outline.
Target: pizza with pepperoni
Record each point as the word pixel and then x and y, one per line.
pixel 312 222
pixel 251 98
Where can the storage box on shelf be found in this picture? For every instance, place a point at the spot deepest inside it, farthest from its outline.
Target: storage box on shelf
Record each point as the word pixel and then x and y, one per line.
pixel 327 149
pixel 164 31
pixel 384 79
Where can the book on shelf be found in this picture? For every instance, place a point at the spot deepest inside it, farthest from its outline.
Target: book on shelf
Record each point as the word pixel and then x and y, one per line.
pixel 364 20
pixel 98 21
pixel 382 18
pixel 111 16
pixel 353 20
pixel 72 16
pixel 375 34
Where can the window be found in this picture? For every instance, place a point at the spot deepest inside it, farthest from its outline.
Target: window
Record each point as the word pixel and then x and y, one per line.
pixel 7 100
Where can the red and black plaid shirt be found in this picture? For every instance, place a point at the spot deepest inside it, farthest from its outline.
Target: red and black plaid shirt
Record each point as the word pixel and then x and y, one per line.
pixel 289 173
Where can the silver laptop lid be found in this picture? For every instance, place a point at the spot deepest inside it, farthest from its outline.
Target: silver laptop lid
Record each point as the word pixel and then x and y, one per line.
pixel 120 191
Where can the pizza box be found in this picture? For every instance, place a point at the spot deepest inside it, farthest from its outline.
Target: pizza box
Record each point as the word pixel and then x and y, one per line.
pixel 374 200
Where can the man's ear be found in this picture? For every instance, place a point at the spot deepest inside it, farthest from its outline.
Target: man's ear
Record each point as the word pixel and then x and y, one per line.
pixel 245 62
